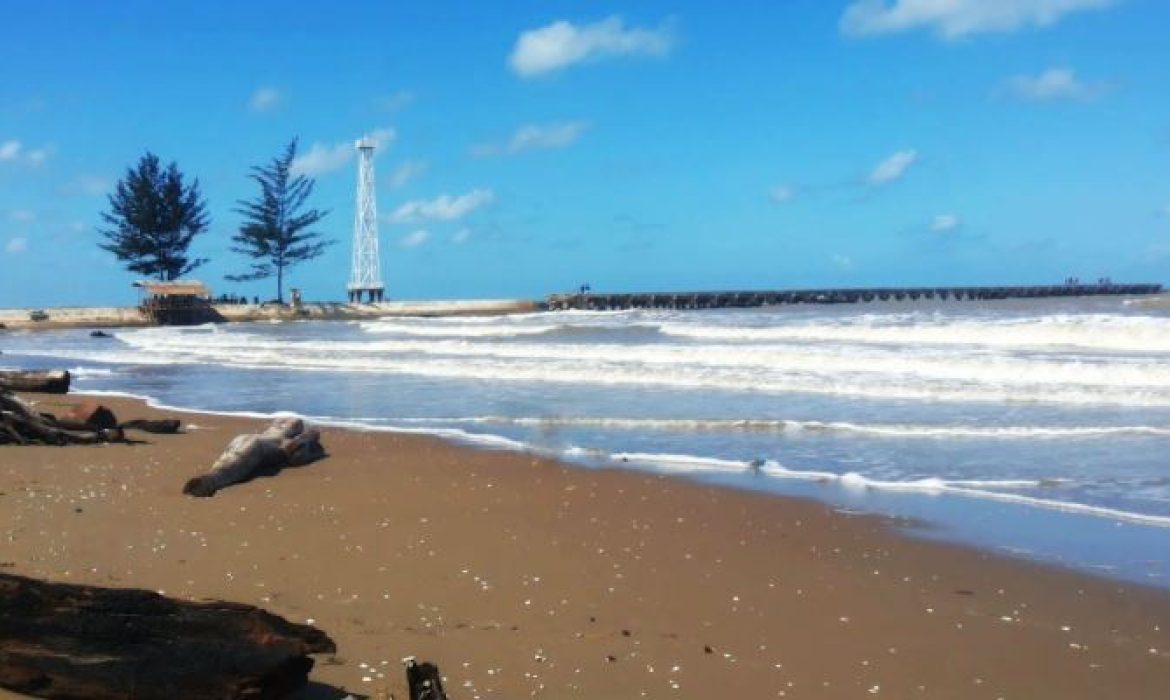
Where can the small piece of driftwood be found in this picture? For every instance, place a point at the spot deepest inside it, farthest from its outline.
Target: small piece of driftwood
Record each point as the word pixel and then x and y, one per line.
pixel 424 680
pixel 68 641
pixel 285 443
pixel 162 426
pixel 40 382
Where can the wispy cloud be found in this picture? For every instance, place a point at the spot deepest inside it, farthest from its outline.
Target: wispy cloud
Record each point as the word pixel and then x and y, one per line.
pixel 22 216
pixel 89 185
pixel 16 246
pixel 14 151
pixel 10 150
pixel 265 99
pixel 531 137
pixel 405 172
pixel 781 194
pixel 395 101
pixel 445 207
pixel 461 236
pixel 563 44
pixel 955 19
pixel 415 238
pixel 945 223
pixel 892 168
pixel 844 263
pixel 322 158
pixel 1050 85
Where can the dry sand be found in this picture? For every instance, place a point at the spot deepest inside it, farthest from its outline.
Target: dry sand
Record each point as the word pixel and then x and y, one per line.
pixel 522 578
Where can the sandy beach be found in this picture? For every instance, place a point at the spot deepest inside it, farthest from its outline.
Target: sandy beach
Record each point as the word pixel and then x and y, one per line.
pixel 521 577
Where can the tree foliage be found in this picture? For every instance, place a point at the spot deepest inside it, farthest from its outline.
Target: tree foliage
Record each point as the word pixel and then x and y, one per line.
pixel 276 233
pixel 153 218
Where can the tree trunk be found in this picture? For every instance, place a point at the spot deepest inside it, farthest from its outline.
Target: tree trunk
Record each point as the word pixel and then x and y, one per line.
pixel 286 443
pixel 20 423
pixel 50 382
pixel 84 642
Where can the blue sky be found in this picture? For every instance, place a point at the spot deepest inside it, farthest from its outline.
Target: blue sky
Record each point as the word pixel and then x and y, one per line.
pixel 528 147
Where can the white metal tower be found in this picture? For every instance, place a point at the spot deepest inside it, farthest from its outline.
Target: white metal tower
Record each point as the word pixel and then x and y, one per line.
pixel 366 275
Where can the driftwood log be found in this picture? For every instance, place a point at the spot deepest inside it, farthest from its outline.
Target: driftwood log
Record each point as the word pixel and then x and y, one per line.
pixel 49 382
pixel 285 443
pixel 161 426
pixel 20 423
pixel 84 642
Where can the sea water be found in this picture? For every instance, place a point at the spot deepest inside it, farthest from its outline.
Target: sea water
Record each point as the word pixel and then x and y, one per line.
pixel 1037 427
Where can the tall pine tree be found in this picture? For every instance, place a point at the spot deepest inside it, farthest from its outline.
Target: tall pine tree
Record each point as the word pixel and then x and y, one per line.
pixel 153 218
pixel 276 233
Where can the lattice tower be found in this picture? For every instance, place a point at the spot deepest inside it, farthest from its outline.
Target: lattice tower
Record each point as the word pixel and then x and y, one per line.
pixel 366 275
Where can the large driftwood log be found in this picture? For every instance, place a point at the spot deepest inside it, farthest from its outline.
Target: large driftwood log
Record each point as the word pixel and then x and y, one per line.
pixel 84 642
pixel 50 382
pixel 20 423
pixel 285 443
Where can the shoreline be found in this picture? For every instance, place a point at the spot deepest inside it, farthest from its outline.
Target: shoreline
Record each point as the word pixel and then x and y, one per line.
pixel 523 576
pixel 929 513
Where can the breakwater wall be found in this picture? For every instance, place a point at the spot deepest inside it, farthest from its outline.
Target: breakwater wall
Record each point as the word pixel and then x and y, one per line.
pixel 131 316
pixel 747 299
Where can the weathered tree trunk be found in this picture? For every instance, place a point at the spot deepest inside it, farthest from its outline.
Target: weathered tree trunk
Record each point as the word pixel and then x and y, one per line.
pixel 84 642
pixel 285 443
pixel 50 382
pixel 20 423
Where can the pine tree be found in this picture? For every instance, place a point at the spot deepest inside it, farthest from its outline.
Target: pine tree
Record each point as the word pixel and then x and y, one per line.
pixel 275 233
pixel 153 218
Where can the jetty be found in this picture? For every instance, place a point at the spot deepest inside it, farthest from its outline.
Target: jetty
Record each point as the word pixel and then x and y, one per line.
pixel 590 300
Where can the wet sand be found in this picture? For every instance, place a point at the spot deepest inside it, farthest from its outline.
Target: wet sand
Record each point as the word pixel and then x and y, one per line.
pixel 521 577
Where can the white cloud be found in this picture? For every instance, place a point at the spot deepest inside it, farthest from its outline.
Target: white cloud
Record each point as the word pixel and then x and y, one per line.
pixel 893 167
pixel 10 150
pixel 781 194
pixel 14 151
pixel 844 263
pixel 321 158
pixel 265 99
pixel 461 236
pixel 16 246
pixel 22 216
pixel 944 223
pixel 563 44
pixel 532 137
pixel 442 208
pixel 415 238
pixel 405 172
pixel 954 19
pixel 1052 84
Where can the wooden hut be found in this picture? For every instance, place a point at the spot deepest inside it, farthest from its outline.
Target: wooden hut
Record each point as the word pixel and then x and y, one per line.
pixel 175 303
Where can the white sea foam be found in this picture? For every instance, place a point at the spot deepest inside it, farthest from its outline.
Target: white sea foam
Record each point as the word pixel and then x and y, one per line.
pixel 932 486
pixel 910 373
pixel 1092 331
pixel 455 331
pixel 793 426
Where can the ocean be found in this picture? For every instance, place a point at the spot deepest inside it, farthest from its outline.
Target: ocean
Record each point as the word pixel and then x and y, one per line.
pixel 1039 428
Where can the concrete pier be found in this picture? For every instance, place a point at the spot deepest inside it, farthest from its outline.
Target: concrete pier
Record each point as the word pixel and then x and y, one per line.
pixel 748 299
